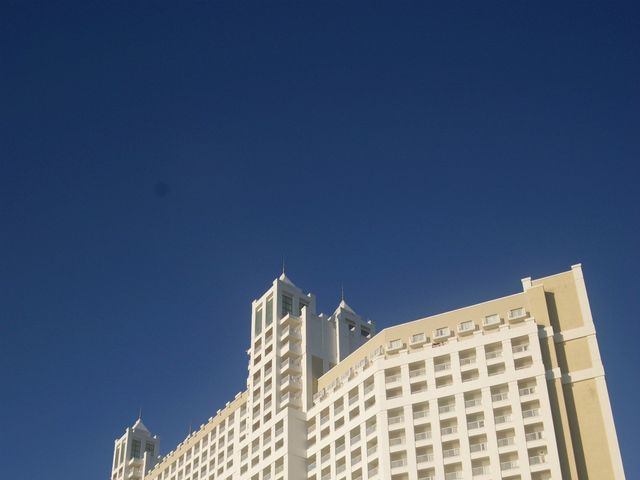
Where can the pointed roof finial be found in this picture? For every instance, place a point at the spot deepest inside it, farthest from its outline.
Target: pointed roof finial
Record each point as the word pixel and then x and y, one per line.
pixel 190 428
pixel 283 265
pixel 342 292
pixel 140 414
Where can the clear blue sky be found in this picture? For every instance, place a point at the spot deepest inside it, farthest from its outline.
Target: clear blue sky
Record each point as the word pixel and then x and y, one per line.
pixel 157 160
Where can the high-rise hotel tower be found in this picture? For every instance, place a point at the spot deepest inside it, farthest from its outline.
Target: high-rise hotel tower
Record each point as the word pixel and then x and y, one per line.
pixel 512 388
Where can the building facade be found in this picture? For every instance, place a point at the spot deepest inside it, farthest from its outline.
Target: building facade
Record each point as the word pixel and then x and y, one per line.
pixel 512 388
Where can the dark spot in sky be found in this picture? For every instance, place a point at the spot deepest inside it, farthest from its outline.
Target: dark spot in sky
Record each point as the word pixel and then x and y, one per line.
pixel 161 189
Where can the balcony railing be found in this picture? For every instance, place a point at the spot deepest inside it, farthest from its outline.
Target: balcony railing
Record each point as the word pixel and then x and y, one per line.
pixel 467 361
pixel 448 430
pixel 452 452
pixel 478 447
pixel 509 465
pixel 527 391
pixel 505 442
pixel 537 460
pixel 396 441
pixel 533 436
pixel 502 419
pixel 425 458
pixel 398 463
pixel 498 397
pixel 441 367
pixel 475 425
pixel 477 471
pixel 447 408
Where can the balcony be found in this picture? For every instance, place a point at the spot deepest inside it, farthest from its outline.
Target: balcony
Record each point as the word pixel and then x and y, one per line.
pixel 417 339
pixel 507 441
pixel 290 319
pixel 453 476
pixel 511 465
pixel 533 436
pixel 401 462
pixel 447 408
pixel 467 327
pixel 520 348
pixel 517 314
pixel 479 471
pixel 424 458
pixel 290 332
pixel 537 460
pixel 499 397
pixel 493 354
pixel 418 414
pixel 475 425
pixel 390 379
pixel 478 447
pixel 394 346
pixel 534 412
pixel 448 431
pixel 527 391
pixel 291 400
pixel 395 420
pixel 491 320
pixel 417 373
pixel 465 361
pixel 452 452
pixel 441 334
pixel 474 402
pixel 290 365
pixel 420 436
pixel 394 442
pixel 442 367
pixel 291 349
pixel 290 383
pixel 502 419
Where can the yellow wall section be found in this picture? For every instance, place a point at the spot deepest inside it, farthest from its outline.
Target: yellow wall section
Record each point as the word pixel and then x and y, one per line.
pixel 588 432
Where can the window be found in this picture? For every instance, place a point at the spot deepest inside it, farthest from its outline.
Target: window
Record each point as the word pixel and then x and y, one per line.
pixel 269 311
pixel 301 305
pixel 395 343
pixel 135 449
pixel 442 332
pixel 287 305
pixel 466 326
pixel 149 447
pixel 258 320
pixel 364 332
pixel 418 337
pixel 492 319
pixel 351 326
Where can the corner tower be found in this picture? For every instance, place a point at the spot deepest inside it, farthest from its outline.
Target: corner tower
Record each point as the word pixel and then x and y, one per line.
pixel 135 453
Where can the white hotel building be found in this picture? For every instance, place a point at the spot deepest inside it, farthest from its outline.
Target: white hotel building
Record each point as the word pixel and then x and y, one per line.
pixel 512 388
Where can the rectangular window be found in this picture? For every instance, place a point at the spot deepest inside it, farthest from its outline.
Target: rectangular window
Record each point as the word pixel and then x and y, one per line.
pixel 287 305
pixel 149 447
pixel 364 332
pixel 418 337
pixel 395 343
pixel 135 449
pixel 301 304
pixel 269 311
pixel 442 332
pixel 258 328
